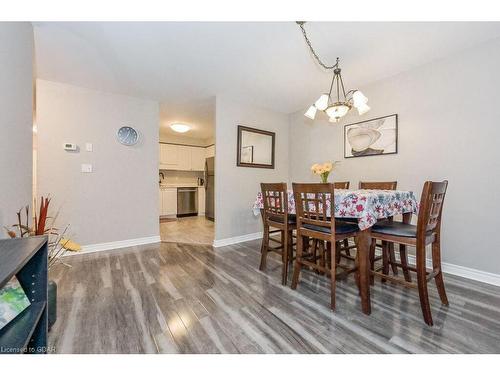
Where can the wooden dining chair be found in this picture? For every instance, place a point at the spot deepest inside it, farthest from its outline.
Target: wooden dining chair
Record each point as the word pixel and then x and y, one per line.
pixel 312 202
pixel 341 185
pixel 378 185
pixel 426 232
pixel 275 215
pixel 386 185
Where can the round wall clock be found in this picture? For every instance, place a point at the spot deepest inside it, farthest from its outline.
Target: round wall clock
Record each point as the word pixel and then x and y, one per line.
pixel 127 136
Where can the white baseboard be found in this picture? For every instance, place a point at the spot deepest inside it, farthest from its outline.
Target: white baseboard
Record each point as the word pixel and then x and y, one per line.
pixel 466 272
pixel 238 239
pixel 116 245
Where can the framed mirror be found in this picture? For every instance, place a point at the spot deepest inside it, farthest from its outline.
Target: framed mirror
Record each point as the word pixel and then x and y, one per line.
pixel 255 148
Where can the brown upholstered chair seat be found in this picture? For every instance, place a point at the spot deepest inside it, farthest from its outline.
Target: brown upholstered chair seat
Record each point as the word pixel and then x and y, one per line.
pixel 395 228
pixel 292 220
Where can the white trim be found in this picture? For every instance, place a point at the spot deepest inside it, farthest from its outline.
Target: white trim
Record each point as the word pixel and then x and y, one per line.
pixel 454 269
pixel 466 272
pixel 116 245
pixel 238 239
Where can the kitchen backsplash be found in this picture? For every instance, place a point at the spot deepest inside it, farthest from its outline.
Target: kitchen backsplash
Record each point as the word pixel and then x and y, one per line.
pixel 180 177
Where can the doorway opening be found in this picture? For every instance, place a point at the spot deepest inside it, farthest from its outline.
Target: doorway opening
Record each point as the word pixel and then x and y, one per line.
pixel 187 172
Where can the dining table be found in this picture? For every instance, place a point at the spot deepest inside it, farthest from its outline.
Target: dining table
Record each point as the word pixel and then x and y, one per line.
pixel 367 206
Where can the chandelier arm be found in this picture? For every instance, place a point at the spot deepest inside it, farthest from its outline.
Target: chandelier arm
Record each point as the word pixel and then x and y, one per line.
pixel 350 92
pixel 343 90
pixel 331 86
pixel 327 67
pixel 338 91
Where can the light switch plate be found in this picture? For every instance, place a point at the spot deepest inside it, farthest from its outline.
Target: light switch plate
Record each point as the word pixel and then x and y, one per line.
pixel 86 168
pixel 89 147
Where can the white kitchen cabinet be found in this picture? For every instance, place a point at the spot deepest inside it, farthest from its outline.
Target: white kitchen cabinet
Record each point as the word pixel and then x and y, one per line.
pixel 210 151
pixel 168 201
pixel 183 158
pixel 201 200
pixel 169 156
pixel 197 158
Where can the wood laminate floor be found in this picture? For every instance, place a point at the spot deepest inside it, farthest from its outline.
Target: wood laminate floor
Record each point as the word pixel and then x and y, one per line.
pixel 178 298
pixel 191 229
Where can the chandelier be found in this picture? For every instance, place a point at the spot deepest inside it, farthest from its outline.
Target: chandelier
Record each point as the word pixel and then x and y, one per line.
pixel 336 103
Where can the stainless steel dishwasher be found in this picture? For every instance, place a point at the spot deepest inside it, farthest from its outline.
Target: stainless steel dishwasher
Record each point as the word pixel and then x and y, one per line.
pixel 187 201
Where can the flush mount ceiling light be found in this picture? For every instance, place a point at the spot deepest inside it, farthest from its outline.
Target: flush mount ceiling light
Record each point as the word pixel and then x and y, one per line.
pixel 180 128
pixel 336 103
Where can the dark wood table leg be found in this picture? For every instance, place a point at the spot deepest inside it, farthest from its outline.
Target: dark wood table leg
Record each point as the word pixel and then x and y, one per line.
pixel 364 239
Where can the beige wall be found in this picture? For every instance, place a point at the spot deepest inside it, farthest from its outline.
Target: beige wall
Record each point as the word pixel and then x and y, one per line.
pixel 448 129
pixel 236 187
pixel 16 119
pixel 119 200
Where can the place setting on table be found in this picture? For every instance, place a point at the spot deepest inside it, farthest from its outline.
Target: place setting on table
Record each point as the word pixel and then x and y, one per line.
pixel 363 216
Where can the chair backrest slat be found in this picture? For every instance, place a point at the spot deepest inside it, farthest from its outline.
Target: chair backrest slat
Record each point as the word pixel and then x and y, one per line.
pixel 311 204
pixel 378 185
pixel 431 207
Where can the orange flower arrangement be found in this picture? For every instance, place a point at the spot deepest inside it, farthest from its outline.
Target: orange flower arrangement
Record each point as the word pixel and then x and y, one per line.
pixel 323 170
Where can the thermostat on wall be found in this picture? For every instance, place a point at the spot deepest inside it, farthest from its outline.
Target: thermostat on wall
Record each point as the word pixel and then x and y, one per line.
pixel 69 146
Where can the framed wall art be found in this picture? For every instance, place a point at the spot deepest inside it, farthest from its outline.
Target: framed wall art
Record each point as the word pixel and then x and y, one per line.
pixel 378 136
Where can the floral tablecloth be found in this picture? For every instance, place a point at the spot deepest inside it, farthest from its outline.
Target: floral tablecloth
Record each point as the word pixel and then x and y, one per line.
pixel 367 206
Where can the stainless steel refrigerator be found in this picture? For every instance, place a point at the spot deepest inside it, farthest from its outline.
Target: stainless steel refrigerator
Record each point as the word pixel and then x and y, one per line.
pixel 209 188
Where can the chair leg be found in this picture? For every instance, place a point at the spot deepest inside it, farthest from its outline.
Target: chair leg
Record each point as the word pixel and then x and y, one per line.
pixel 328 254
pixel 436 264
pixel 314 250
pixel 321 260
pixel 392 258
pixel 264 248
pixel 372 260
pixel 404 262
pixel 306 242
pixel 284 256
pixel 298 264
pixel 338 250
pixel 333 273
pixel 346 245
pixel 385 259
pixel 356 264
pixel 422 285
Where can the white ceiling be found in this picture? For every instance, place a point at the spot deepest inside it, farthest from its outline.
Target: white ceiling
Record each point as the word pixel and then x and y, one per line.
pixel 266 63
pixel 198 114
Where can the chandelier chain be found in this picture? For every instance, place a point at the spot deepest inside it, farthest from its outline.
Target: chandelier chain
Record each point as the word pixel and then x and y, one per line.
pixel 327 67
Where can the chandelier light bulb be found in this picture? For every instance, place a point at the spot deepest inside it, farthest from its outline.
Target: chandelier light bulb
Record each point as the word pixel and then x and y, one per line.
pixel 362 109
pixel 322 102
pixel 311 112
pixel 359 99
